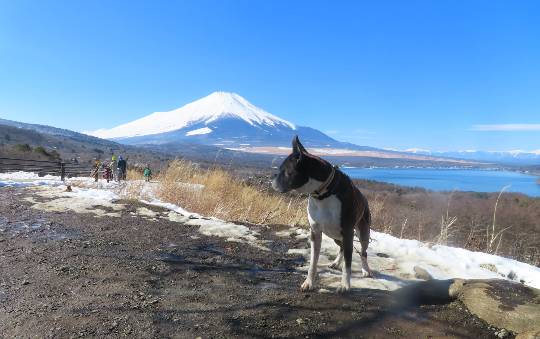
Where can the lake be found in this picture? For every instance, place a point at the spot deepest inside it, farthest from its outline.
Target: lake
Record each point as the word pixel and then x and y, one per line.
pixel 451 179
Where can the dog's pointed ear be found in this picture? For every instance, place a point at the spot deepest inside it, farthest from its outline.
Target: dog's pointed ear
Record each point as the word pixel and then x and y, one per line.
pixel 297 147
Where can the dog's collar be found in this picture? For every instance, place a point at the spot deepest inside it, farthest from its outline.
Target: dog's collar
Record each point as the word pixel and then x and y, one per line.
pixel 323 190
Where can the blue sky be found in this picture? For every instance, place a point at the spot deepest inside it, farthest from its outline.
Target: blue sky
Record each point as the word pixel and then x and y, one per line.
pixel 443 75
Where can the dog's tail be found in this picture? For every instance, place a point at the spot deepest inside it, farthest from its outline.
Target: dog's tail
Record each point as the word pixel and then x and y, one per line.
pixel 367 214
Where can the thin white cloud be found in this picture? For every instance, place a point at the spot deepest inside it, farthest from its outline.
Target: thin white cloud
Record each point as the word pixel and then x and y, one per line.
pixel 506 128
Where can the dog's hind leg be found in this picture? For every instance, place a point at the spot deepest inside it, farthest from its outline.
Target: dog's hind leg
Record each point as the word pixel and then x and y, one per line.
pixel 348 237
pixel 339 256
pixel 315 240
pixel 363 234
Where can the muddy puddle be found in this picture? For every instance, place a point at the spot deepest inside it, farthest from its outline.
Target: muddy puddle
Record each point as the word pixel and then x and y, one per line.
pixel 40 229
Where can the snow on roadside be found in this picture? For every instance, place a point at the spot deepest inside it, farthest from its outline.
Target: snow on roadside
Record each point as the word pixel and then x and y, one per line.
pixel 172 207
pixel 394 260
pixel 101 203
pixel 25 179
pixel 444 262
pixel 212 226
pixel 21 176
pixel 87 194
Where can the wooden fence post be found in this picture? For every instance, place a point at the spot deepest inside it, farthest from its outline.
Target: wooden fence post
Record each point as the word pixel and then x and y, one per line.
pixel 62 171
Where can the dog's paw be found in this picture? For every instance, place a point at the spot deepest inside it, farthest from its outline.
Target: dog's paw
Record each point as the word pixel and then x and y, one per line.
pixel 344 289
pixel 367 273
pixel 307 286
pixel 335 265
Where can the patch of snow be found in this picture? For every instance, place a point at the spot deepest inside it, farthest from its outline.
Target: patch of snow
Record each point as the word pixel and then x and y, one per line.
pixel 25 179
pixel 418 150
pixel 81 200
pixel 26 176
pixel 172 207
pixel 146 212
pixel 222 229
pixel 515 152
pixel 12 183
pixel 212 226
pixel 92 193
pixel 394 260
pixel 330 151
pixel 199 131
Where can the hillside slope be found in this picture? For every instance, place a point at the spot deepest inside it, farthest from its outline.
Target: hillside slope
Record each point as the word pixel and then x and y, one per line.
pixel 69 144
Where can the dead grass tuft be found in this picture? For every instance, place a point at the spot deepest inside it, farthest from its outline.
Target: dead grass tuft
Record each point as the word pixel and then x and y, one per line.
pixel 134 174
pixel 215 192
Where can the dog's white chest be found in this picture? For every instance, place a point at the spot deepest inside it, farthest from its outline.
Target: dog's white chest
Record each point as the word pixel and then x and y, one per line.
pixel 325 216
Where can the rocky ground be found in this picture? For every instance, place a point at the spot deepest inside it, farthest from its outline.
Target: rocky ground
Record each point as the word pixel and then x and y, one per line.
pixel 119 273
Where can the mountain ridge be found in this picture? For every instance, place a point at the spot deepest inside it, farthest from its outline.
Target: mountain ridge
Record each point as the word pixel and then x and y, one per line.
pixel 222 119
pixel 504 157
pixel 208 109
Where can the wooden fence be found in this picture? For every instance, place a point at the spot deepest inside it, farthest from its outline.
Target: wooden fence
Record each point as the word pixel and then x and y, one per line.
pixel 43 167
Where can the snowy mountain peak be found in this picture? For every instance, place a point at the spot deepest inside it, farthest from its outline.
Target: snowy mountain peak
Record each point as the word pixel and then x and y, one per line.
pixel 215 106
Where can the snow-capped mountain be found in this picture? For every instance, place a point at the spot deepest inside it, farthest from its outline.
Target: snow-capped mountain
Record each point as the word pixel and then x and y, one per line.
pixel 515 157
pixel 216 106
pixel 222 119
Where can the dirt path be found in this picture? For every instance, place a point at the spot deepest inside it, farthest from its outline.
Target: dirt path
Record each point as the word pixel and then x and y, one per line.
pixel 77 275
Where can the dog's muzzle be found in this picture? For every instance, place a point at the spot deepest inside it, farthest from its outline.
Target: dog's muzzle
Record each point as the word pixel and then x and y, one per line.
pixel 276 186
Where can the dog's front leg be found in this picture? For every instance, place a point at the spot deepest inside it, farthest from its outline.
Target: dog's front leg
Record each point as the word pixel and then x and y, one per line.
pixel 315 242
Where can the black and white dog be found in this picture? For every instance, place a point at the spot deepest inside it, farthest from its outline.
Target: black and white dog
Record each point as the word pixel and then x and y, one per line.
pixel 335 207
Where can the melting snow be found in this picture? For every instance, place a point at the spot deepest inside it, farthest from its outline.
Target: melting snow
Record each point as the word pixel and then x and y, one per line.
pixel 394 260
pixel 80 200
pixel 24 179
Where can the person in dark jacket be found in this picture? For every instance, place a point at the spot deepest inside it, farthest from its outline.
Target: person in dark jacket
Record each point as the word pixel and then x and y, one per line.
pixel 122 167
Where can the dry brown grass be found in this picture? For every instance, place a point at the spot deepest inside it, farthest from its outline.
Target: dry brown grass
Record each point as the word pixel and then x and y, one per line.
pixel 216 192
pixel 134 174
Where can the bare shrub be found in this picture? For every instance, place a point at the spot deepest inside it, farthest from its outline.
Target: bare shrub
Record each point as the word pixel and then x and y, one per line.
pixel 381 220
pixel 447 222
pixel 492 235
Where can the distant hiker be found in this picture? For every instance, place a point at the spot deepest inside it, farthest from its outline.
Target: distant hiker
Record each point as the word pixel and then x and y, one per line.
pixel 122 166
pixel 107 172
pixel 147 173
pixel 95 170
pixel 113 166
